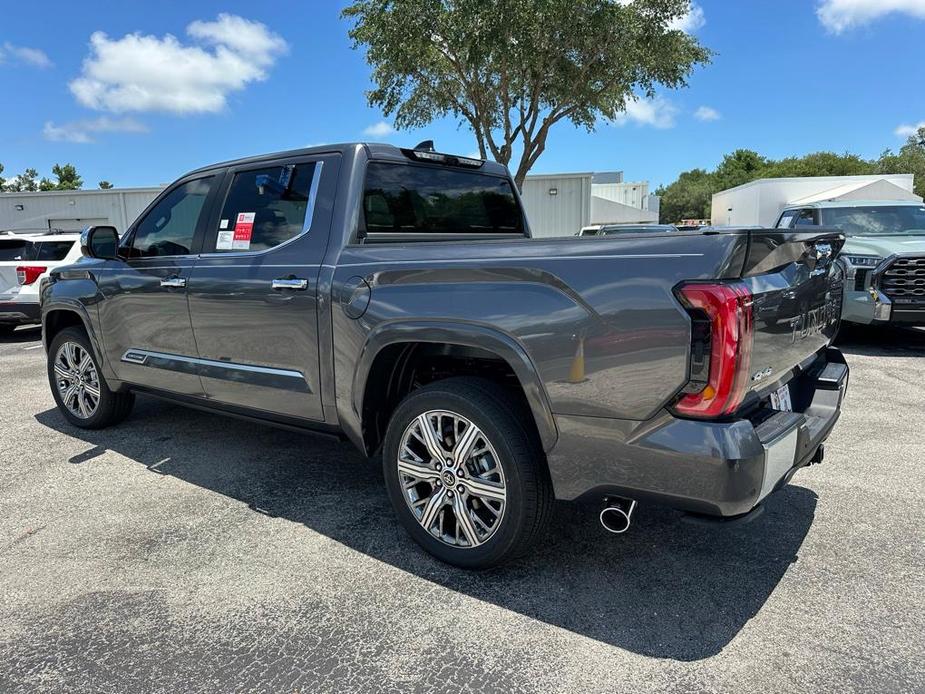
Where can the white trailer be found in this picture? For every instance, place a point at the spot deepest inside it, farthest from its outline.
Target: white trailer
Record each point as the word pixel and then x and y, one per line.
pixel 759 203
pixel 72 210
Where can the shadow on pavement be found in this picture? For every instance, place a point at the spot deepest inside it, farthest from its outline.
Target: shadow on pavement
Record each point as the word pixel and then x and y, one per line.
pixel 31 333
pixel 666 589
pixel 881 341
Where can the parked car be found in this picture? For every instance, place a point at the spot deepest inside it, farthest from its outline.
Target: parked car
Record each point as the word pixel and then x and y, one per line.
pixel 610 229
pixel 24 262
pixel 883 257
pixel 395 297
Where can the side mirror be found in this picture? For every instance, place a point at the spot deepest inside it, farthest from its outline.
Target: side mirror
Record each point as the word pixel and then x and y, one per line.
pixel 100 242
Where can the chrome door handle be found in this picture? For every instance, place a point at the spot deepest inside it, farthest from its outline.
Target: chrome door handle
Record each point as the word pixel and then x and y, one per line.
pixel 174 282
pixel 296 283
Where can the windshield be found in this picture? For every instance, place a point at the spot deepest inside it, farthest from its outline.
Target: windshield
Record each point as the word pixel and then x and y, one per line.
pixel 879 219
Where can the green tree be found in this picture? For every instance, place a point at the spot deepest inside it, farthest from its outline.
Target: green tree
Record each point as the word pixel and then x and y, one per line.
pixel 687 198
pixel 68 178
pixel 105 185
pixel 909 159
pixel 24 182
pixel 2 180
pixel 742 166
pixel 821 164
pixel 514 70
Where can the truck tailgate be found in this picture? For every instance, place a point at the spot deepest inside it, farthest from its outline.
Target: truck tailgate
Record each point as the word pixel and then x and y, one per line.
pixel 797 291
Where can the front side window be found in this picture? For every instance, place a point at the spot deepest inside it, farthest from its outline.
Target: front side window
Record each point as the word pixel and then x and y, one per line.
pixel 266 207
pixel 169 228
pixel 403 198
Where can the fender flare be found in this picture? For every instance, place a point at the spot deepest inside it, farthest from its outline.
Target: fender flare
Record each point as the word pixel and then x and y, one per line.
pixel 77 308
pixel 490 339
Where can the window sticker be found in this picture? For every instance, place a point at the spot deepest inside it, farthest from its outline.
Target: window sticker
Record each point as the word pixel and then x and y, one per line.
pixel 225 241
pixel 243 230
pixel 223 224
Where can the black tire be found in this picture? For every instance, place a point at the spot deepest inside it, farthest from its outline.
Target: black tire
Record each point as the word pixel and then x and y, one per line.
pixel 501 419
pixel 112 408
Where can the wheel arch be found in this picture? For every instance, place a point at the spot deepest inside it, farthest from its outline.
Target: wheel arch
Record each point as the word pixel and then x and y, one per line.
pixel 60 315
pixel 392 347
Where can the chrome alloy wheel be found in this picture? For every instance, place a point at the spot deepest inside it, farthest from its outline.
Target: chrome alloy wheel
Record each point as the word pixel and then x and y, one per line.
pixel 451 478
pixel 77 379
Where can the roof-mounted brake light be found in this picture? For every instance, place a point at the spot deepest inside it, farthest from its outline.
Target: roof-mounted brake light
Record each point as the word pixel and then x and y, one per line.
pixel 425 152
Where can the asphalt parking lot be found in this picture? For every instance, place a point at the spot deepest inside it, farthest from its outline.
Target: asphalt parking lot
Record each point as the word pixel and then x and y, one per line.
pixel 182 551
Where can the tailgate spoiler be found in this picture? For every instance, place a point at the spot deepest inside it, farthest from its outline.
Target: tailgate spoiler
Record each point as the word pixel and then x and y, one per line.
pixel 769 249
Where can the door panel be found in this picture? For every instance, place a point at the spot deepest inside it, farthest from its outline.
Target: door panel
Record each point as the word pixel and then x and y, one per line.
pixel 258 344
pixel 147 332
pixel 139 314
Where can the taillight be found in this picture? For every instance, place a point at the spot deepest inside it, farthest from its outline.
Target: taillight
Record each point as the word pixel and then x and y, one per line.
pixel 724 339
pixel 27 274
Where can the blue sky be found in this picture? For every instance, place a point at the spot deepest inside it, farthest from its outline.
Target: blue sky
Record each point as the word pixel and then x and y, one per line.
pixel 790 77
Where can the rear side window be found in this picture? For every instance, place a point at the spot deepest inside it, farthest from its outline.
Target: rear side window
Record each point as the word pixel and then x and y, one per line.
pixel 50 250
pixel 268 206
pixel 408 199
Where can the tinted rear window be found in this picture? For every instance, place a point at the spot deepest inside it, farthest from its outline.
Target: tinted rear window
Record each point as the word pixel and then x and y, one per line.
pixel 11 249
pixel 34 250
pixel 404 198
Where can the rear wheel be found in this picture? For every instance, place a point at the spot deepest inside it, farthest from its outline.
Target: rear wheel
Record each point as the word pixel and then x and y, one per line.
pixel 79 390
pixel 467 480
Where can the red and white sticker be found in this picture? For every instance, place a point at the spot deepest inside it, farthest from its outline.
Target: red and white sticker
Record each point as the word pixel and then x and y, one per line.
pixel 243 230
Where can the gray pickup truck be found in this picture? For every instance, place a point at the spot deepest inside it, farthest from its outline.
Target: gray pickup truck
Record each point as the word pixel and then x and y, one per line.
pixel 395 297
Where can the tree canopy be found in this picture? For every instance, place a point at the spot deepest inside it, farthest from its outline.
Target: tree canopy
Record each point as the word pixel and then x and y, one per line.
pixel 512 72
pixel 691 195
pixel 28 181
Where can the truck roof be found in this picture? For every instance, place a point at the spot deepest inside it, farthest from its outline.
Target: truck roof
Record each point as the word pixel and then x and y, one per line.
pixel 375 150
pixel 853 203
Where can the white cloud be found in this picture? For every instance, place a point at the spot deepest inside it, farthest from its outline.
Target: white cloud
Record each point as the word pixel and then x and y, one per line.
pixel 24 54
pixel 380 129
pixel 147 73
pixel 840 15
pixel 82 131
pixel 658 113
pixel 707 114
pixel 906 130
pixel 690 22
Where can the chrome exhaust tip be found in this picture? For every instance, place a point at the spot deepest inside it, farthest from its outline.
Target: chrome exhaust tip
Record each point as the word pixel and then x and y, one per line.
pixel 617 515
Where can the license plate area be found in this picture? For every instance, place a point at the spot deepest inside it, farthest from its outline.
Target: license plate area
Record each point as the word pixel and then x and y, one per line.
pixel 780 399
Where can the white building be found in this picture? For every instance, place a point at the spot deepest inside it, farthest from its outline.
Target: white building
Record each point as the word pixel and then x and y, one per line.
pixel 72 210
pixel 760 202
pixel 561 204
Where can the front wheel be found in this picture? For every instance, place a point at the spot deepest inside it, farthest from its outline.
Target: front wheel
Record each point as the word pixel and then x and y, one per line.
pixel 79 390
pixel 467 480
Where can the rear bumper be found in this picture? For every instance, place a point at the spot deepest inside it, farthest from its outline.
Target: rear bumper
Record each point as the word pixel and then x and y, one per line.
pixel 20 313
pixel 716 469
